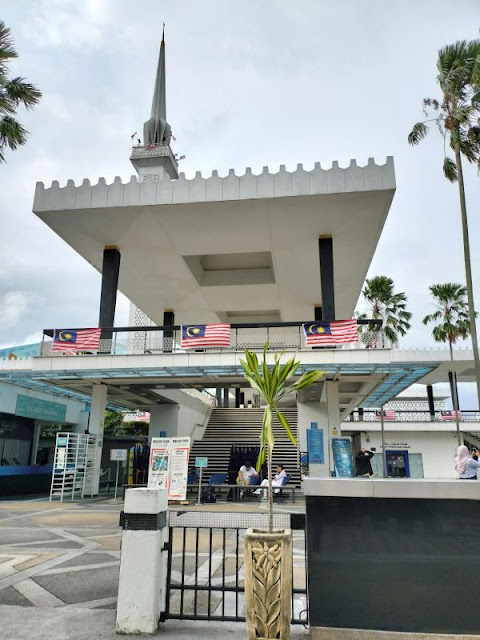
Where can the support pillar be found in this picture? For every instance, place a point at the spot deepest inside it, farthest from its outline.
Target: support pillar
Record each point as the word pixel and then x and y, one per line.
pixel 108 295
pixel 333 413
pixel 95 427
pixel 237 398
pixel 168 323
pixel 35 440
pixel 143 561
pixel 219 397
pixel 431 404
pixel 325 248
pixel 226 398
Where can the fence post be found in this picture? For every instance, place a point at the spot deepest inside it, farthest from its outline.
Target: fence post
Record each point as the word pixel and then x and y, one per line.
pixel 143 561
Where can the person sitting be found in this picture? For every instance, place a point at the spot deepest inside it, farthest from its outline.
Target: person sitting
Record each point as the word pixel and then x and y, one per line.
pixel 246 474
pixel 277 482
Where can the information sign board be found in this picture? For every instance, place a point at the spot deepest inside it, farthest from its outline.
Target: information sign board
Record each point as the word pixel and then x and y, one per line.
pixel 315 446
pixel 201 463
pixel 343 457
pixel 119 455
pixel 168 468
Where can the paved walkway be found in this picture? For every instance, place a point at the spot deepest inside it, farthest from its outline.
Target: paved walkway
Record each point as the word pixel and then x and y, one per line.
pixel 59 565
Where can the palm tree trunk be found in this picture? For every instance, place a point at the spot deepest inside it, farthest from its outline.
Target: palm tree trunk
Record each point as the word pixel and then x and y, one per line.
pixel 270 493
pixel 454 397
pixel 468 269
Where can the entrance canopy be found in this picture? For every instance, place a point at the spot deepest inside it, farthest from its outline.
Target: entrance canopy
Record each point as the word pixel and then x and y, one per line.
pixel 233 249
pixel 366 377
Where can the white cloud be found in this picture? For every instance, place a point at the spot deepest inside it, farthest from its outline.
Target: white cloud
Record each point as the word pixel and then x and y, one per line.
pixel 13 307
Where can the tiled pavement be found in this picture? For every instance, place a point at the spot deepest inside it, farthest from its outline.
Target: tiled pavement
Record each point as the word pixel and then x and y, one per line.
pixel 67 554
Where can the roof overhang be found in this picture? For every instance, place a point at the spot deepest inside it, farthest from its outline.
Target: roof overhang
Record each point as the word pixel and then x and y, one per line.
pixel 237 248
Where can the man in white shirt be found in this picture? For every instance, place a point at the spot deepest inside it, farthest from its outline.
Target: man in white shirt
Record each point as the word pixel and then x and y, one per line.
pixel 245 474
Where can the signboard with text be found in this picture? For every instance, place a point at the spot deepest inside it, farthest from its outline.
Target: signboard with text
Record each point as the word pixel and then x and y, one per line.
pixel 168 468
pixel 118 455
pixel 45 410
pixel 315 446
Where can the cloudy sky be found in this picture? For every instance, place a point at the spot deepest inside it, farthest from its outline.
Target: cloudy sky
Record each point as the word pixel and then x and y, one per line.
pixel 251 83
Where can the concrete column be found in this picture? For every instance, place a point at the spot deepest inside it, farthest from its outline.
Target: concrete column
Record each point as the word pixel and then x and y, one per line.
pixel 333 413
pixel 237 397
pixel 309 412
pixel 95 427
pixel 35 440
pixel 325 248
pixel 108 296
pixel 163 418
pixel 226 398
pixel 143 561
pixel 168 323
pixel 219 397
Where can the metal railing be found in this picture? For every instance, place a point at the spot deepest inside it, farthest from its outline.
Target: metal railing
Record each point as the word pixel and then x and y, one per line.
pixel 168 339
pixel 205 566
pixel 413 415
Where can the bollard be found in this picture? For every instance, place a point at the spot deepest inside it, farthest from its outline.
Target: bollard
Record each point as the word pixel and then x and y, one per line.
pixel 143 562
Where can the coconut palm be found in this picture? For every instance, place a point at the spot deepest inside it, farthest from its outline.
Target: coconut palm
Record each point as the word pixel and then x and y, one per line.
pixel 13 92
pixel 452 315
pixel 273 383
pixel 456 115
pixel 387 306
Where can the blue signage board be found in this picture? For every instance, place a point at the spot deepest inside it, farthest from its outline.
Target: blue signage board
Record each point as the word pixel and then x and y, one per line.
pixel 313 425
pixel 343 457
pixel 40 409
pixel 315 446
pixel 201 463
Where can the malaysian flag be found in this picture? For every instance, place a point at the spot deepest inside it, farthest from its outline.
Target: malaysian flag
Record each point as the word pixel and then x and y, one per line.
pixel 205 335
pixel 335 332
pixel 73 340
pixel 388 414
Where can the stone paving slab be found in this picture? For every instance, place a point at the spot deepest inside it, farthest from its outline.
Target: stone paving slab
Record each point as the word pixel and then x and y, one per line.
pixel 76 587
pixel 79 624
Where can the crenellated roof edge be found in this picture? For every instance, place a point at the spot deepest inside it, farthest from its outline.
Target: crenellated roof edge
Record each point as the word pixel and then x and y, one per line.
pixel 152 190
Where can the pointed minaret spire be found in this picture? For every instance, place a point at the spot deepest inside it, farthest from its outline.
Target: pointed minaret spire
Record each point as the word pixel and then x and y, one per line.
pixel 155 154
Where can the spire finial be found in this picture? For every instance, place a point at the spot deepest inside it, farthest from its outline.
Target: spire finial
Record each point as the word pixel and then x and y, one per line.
pixel 163 35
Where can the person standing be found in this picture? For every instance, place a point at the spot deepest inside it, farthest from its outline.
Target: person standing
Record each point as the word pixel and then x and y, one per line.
pixel 363 464
pixel 465 465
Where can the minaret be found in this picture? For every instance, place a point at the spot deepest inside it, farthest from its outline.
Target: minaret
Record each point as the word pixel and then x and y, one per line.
pixel 155 156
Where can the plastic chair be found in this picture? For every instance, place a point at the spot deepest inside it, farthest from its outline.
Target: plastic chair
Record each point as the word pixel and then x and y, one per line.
pixel 218 478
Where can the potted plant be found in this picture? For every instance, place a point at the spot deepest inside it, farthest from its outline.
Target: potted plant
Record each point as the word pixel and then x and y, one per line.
pixel 268 554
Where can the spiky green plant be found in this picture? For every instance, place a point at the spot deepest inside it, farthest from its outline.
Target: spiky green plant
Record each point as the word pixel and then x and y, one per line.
pixel 273 383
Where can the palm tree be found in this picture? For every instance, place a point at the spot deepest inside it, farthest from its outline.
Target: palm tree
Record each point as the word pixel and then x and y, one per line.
pixel 387 306
pixel 13 92
pixel 452 313
pixel 456 116
pixel 272 384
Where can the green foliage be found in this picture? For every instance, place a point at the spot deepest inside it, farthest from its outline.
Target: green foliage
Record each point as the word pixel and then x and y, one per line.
pixel 387 306
pixel 13 93
pixel 273 383
pixel 457 111
pixel 451 313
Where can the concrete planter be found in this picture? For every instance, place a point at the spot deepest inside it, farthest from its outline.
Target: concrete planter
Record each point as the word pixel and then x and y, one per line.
pixel 268 584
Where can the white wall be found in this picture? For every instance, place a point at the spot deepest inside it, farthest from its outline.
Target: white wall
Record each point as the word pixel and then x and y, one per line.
pixel 188 416
pixel 75 413
pixel 438 449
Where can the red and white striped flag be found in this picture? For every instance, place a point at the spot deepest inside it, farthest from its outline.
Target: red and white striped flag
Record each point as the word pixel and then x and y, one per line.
pixel 334 332
pixel 195 336
pixel 72 340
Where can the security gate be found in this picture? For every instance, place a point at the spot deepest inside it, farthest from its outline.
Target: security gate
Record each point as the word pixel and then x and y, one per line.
pixel 205 574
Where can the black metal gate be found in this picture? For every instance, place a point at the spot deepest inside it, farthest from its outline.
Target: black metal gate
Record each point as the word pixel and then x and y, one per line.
pixel 205 564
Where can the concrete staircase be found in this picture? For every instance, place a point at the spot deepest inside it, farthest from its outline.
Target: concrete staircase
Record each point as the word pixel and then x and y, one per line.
pixel 242 427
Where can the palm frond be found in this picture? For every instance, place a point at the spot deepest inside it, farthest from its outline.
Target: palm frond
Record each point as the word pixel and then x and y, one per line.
pixel 450 169
pixel 418 133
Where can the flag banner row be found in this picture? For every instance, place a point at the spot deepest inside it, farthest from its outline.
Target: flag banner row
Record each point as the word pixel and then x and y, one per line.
pixel 195 336
pixel 334 332
pixel 71 340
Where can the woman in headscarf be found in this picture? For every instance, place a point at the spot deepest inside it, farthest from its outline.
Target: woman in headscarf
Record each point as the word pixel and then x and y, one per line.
pixel 465 465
